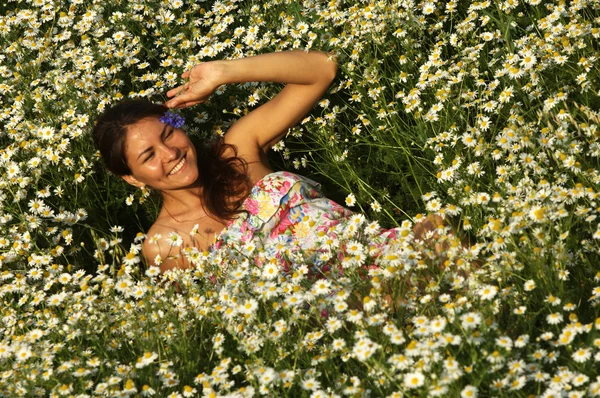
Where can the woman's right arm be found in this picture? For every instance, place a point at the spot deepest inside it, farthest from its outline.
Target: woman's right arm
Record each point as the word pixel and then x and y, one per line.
pixel 306 76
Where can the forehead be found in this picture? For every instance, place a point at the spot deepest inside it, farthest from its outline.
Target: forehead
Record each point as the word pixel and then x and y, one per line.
pixel 145 129
pixel 144 126
pixel 142 134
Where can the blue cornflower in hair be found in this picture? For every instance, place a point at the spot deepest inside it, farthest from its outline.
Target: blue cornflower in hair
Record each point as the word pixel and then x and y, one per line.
pixel 173 119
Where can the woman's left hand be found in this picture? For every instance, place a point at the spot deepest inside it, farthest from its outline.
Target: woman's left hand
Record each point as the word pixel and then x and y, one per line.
pixel 203 81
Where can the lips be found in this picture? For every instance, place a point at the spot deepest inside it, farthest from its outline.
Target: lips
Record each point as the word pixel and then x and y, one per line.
pixel 178 166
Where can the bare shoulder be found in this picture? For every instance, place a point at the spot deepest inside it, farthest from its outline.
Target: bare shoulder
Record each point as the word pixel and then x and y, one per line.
pixel 163 247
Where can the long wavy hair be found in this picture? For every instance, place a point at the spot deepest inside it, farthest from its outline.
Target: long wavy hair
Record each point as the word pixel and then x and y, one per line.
pixel 224 180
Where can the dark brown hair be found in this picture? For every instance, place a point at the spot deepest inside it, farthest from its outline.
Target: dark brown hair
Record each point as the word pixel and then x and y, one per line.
pixel 224 180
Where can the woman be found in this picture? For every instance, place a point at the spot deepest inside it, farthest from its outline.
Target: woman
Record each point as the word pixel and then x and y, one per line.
pixel 228 190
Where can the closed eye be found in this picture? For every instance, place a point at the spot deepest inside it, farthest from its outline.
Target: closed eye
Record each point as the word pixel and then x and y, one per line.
pixel 168 134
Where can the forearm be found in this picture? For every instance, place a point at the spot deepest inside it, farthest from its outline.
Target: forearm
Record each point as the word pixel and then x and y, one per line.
pixel 290 67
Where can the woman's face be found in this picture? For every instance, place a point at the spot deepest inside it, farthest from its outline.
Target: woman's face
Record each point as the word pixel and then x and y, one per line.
pixel 160 156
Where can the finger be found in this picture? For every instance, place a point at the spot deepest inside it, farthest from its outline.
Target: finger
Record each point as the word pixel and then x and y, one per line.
pixel 182 101
pixel 174 91
pixel 183 89
pixel 174 103
pixel 187 104
pixel 187 73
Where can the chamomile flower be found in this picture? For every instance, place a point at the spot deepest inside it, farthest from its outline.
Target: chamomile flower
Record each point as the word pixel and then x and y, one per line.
pixel 529 285
pixel 470 320
pixel 372 228
pixel 469 392
pixel 23 353
pixel 248 307
pixel 582 355
pixel 350 200
pixel 174 239
pixel 270 270
pixel 146 359
pixel 413 380
pixel 311 384
pixel 488 292
pixel 375 206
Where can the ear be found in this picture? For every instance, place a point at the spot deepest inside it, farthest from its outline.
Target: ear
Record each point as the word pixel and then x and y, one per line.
pixel 131 180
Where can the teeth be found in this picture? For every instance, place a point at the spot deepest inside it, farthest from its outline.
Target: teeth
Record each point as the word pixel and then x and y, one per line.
pixel 178 167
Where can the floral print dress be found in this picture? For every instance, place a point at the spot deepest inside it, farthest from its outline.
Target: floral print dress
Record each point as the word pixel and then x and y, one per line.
pixel 289 222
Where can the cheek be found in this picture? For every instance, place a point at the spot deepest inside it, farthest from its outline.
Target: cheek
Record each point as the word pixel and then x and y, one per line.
pixel 149 168
pixel 154 166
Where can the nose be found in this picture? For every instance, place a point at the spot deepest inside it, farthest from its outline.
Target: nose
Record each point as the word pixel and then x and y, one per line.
pixel 168 153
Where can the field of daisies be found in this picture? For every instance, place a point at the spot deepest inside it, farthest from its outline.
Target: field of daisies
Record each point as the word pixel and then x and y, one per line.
pixel 485 113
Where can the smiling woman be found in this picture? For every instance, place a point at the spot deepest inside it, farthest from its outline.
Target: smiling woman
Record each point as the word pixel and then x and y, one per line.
pixel 163 157
pixel 146 151
pixel 204 188
pixel 225 197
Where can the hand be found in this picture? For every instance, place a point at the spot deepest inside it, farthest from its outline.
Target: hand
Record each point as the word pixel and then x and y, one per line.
pixel 203 81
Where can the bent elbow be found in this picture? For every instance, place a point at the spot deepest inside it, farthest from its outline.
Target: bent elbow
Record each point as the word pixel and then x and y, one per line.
pixel 324 66
pixel 332 66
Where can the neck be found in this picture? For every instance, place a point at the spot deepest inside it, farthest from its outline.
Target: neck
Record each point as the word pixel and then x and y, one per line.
pixel 182 201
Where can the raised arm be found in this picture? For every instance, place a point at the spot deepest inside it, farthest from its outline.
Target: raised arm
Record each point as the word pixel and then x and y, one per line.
pixel 306 76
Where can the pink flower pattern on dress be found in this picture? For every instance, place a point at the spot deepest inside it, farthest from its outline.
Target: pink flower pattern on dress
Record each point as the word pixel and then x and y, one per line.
pixel 289 220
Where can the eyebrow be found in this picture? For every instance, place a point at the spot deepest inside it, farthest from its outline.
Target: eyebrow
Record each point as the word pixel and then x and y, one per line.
pixel 162 134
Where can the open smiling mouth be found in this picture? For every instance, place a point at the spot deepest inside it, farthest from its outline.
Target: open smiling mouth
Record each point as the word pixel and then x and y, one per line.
pixel 178 166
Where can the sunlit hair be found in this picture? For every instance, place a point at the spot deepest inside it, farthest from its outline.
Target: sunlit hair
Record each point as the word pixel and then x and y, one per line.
pixel 222 175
